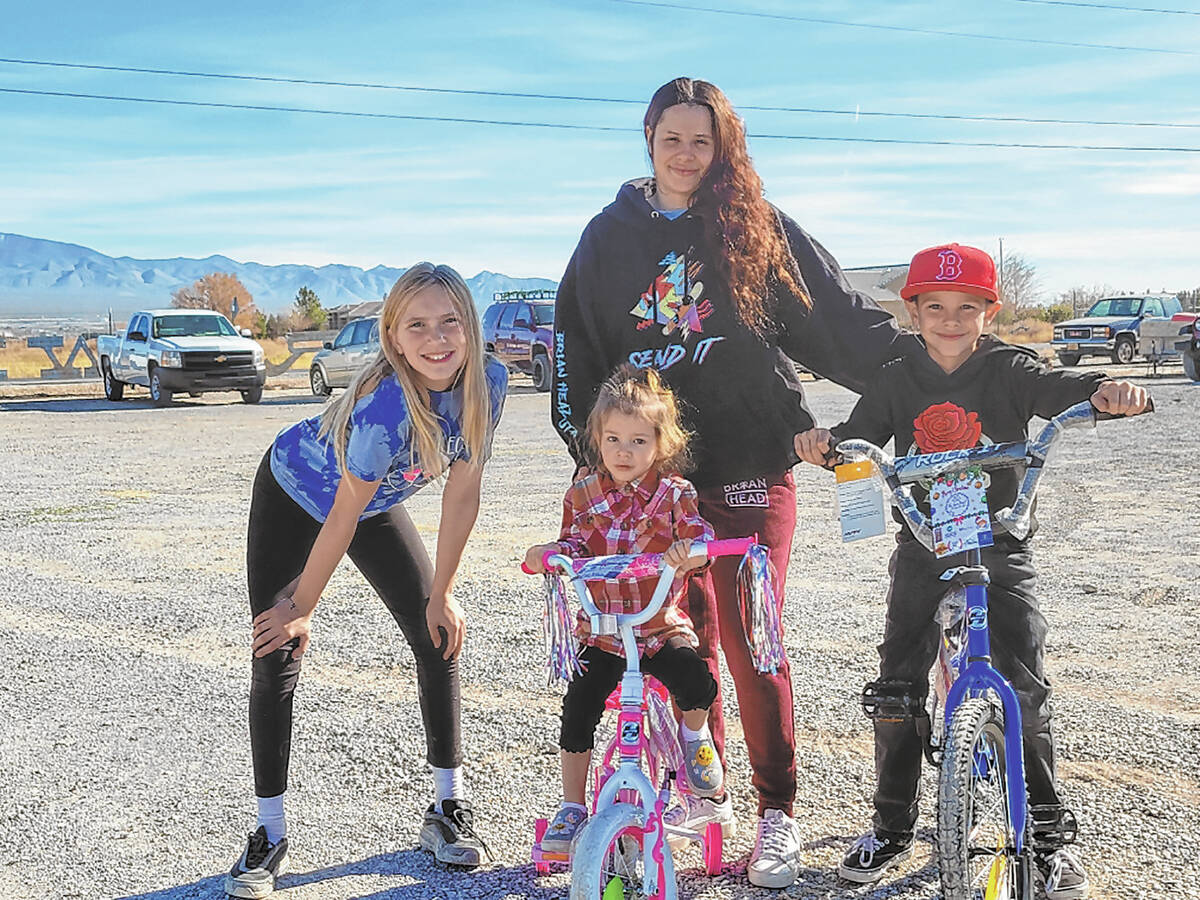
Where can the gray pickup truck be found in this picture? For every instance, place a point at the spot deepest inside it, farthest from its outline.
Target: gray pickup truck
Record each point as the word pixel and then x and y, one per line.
pixel 173 350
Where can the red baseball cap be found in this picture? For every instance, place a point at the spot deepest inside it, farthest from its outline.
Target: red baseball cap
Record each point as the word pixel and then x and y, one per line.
pixel 951 267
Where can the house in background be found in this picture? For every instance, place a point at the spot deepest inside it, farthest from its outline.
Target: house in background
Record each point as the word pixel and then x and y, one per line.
pixel 882 284
pixel 340 315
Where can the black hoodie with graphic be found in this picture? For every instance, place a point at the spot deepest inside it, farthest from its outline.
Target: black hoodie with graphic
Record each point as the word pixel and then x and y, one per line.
pixel 644 289
pixel 989 399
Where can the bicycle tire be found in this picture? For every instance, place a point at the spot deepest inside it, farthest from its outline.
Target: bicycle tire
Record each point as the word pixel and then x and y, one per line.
pixel 592 866
pixel 977 857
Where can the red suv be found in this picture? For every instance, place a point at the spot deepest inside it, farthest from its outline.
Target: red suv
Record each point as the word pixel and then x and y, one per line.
pixel 518 328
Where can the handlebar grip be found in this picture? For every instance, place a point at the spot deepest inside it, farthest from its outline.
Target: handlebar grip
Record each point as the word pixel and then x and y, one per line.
pixel 729 547
pixel 1105 416
pixel 545 564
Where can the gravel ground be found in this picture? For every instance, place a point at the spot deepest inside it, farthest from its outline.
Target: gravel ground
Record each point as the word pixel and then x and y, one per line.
pixel 123 648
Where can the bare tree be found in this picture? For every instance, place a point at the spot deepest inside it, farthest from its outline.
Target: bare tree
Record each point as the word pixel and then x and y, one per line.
pixel 219 291
pixel 1019 285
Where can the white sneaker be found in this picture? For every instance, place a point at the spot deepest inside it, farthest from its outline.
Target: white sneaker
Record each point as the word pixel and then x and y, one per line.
pixel 775 862
pixel 693 813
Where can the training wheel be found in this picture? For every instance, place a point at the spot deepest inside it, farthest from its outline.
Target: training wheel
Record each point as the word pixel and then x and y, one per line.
pixel 711 846
pixel 539 832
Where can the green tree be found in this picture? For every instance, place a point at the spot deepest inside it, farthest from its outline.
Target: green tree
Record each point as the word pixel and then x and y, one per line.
pixel 309 310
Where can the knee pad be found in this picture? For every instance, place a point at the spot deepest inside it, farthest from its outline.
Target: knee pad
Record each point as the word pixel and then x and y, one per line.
pixel 893 700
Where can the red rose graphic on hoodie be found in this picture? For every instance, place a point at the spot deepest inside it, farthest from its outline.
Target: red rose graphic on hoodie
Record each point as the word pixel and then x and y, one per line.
pixel 946 426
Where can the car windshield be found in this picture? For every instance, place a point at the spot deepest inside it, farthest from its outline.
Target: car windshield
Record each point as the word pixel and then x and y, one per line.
pixel 543 313
pixel 192 326
pixel 1116 306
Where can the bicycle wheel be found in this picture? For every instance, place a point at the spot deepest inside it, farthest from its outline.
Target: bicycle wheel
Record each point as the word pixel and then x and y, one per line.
pixel 608 861
pixel 977 853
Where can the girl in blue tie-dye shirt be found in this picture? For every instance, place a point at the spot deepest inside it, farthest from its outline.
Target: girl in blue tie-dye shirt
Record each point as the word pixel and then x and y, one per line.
pixel 332 486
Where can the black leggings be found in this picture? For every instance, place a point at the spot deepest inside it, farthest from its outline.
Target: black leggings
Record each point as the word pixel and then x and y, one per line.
pixel 388 551
pixel 677 665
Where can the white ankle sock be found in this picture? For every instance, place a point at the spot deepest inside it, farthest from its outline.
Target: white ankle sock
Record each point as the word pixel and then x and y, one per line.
pixel 689 735
pixel 447 784
pixel 570 804
pixel 270 816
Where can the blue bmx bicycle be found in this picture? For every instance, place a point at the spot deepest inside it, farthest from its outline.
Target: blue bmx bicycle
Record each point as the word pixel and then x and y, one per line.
pixel 983 815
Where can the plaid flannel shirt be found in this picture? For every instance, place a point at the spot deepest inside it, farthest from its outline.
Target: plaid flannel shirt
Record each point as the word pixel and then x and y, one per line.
pixel 601 518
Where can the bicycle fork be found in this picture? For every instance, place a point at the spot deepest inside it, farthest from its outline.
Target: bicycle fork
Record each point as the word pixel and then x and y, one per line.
pixel 977 678
pixel 632 744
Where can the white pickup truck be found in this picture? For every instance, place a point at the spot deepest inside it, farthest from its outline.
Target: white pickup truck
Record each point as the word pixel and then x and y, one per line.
pixel 172 350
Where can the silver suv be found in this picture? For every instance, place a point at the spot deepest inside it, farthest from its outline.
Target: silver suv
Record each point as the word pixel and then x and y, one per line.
pixel 354 347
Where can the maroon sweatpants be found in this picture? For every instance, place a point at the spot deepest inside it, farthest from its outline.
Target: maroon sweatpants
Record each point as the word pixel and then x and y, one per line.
pixel 767 507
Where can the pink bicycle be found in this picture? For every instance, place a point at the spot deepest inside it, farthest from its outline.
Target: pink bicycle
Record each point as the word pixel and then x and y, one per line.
pixel 624 848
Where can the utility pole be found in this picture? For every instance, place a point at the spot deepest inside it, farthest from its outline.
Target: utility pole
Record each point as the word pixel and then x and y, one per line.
pixel 1000 272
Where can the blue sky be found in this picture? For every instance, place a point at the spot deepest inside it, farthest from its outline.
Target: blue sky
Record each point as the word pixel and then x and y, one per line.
pixel 162 181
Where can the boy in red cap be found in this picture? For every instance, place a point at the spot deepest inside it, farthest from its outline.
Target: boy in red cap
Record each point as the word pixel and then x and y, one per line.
pixel 965 389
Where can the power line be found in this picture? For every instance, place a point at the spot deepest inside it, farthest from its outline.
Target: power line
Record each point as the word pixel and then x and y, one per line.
pixel 812 20
pixel 274 79
pixel 571 127
pixel 1149 9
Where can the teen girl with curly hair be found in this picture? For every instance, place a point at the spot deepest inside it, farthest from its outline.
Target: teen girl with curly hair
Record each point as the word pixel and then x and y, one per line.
pixel 693 272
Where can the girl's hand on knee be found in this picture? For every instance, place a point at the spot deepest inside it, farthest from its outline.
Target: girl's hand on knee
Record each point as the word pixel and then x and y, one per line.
pixel 444 615
pixel 279 625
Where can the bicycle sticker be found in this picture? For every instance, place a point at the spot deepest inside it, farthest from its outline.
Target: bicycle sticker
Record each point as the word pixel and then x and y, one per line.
pixel 977 618
pixel 630 732
pixel 959 511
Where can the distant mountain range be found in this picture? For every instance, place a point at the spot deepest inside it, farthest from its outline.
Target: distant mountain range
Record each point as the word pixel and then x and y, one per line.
pixel 40 277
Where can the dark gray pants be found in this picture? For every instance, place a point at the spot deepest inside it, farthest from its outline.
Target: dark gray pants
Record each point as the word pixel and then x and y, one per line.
pixel 909 650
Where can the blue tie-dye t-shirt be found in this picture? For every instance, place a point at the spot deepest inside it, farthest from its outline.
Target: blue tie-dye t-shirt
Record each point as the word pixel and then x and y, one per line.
pixel 379 446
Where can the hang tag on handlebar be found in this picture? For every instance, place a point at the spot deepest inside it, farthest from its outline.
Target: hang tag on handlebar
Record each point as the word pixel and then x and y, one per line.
pixel 860 501
pixel 959 512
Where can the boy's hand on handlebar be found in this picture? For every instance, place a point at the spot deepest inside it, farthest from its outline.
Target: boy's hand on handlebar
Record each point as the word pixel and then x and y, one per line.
pixel 535 554
pixel 1120 398
pixel 678 557
pixel 815 446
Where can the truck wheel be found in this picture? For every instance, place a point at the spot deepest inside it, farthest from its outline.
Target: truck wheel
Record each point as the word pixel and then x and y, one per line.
pixel 253 395
pixel 113 390
pixel 1191 366
pixel 1123 352
pixel 159 394
pixel 316 380
pixel 1069 359
pixel 541 373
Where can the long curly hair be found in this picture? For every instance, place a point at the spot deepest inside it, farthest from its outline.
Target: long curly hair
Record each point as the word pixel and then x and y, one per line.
pixel 753 257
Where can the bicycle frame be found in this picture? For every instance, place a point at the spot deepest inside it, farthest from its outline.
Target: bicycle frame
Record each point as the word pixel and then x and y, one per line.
pixel 978 677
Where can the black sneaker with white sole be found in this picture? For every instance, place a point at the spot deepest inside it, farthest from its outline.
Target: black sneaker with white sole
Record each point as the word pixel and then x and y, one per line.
pixel 261 863
pixel 1065 878
pixel 872 855
pixel 450 834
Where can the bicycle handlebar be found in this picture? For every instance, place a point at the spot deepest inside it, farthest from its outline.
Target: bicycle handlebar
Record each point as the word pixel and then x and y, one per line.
pixel 899 473
pixel 712 549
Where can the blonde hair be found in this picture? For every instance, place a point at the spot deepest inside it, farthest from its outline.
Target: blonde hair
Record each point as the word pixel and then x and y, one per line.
pixel 642 393
pixel 428 440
